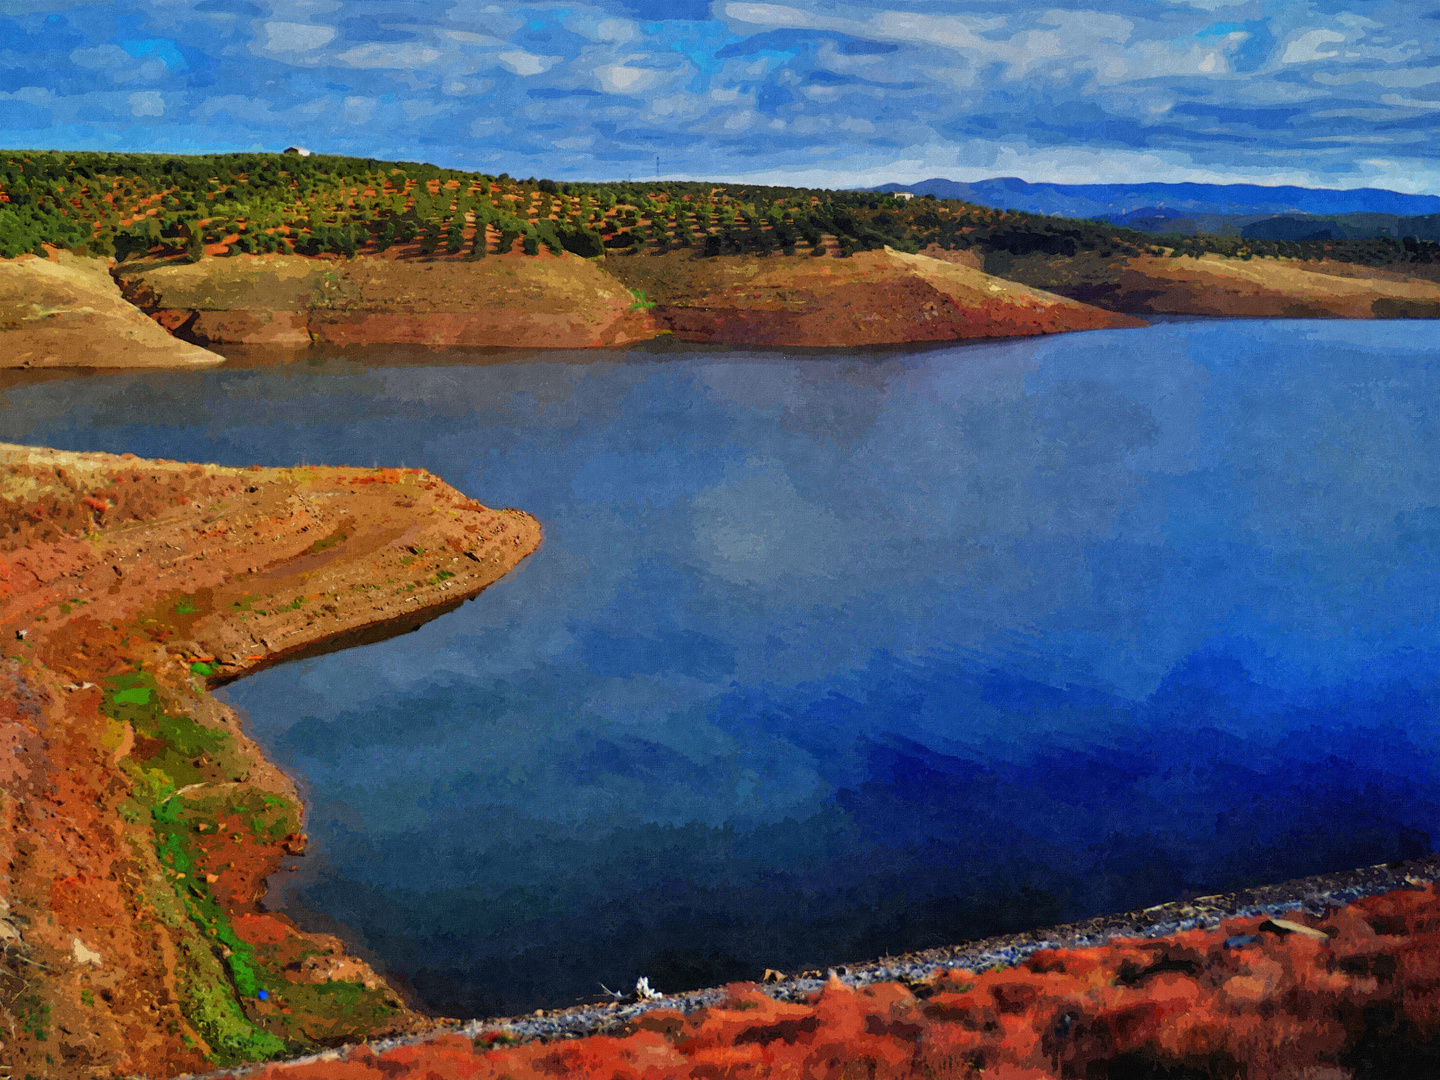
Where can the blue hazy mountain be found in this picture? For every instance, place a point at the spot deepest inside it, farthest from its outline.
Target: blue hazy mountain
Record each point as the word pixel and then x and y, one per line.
pixel 1117 201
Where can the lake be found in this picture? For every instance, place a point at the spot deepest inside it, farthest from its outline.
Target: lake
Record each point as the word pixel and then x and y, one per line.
pixel 838 654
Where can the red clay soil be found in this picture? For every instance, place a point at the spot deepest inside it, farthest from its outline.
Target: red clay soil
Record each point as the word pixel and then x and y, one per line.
pixel 1352 996
pixel 137 822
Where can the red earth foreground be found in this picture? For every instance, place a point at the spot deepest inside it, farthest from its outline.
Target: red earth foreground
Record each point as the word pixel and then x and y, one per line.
pixel 1250 999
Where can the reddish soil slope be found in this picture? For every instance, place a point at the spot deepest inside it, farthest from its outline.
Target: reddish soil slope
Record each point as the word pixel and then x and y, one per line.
pixel 875 297
pixel 1212 285
pixel 513 300
pixel 139 823
pixel 872 298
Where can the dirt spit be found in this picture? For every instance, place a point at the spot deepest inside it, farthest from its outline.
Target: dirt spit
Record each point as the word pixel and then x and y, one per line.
pixel 139 823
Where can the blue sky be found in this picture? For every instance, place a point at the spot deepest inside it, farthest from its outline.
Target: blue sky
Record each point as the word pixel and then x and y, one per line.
pixel 825 92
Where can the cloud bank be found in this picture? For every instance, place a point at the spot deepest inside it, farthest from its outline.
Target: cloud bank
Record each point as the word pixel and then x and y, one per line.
pixel 827 92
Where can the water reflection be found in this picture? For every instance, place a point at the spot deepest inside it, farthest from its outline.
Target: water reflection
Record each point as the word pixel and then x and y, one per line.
pixel 826 656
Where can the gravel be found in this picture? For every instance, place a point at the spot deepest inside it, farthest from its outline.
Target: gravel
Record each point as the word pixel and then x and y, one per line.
pixel 1312 895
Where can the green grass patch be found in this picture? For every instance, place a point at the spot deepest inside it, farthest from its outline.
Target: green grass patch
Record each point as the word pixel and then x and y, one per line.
pixel 336 537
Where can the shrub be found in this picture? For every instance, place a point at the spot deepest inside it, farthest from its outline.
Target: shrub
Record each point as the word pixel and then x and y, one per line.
pixel 583 242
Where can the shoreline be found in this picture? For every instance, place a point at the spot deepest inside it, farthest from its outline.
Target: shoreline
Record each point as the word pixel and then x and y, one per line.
pixel 1285 913
pixel 142 823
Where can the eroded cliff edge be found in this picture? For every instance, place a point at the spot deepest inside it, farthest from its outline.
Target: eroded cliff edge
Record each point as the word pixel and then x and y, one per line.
pixel 139 823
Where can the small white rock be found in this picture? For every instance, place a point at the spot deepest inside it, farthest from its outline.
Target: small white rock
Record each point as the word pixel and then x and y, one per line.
pixel 85 956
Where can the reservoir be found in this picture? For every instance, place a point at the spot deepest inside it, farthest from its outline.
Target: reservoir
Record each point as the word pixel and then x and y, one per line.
pixel 831 655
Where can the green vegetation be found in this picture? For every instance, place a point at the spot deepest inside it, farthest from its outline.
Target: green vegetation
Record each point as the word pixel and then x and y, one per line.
pixel 174 761
pixel 174 753
pixel 187 206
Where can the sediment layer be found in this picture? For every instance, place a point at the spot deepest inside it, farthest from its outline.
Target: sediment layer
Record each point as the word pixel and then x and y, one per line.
pixel 1211 285
pixel 872 298
pixel 878 297
pixel 531 302
pixel 66 311
pixel 140 823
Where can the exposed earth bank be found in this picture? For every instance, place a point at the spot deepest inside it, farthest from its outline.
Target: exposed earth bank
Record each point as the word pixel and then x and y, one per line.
pixel 872 298
pixel 878 297
pixel 1212 285
pixel 139 823
pixel 66 311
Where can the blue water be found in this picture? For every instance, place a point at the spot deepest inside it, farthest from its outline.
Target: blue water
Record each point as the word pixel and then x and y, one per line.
pixel 832 655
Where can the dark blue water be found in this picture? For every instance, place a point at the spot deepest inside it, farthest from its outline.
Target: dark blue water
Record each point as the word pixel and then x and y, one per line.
pixel 829 656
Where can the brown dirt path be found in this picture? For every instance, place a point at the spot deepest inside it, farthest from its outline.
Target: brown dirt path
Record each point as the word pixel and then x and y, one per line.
pixel 139 823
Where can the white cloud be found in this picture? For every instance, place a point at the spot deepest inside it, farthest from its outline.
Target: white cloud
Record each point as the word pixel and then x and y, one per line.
pixel 147 103
pixel 101 57
pixel 619 79
pixel 358 110
pixel 404 57
pixel 1307 47
pixel 1408 103
pixel 525 63
pixel 297 37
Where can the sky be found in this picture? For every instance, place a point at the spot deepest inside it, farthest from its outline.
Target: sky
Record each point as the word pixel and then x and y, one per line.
pixel 831 93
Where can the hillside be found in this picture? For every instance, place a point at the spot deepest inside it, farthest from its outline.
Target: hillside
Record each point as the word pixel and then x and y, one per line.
pixel 139 205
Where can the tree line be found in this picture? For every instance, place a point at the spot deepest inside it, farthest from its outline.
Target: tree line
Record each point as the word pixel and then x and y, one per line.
pixel 128 205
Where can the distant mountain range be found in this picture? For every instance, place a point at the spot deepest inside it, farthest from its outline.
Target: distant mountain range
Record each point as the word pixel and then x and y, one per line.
pixel 1116 202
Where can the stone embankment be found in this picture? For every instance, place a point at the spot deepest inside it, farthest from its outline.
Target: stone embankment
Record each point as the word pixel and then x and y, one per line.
pixel 139 823
pixel 1322 979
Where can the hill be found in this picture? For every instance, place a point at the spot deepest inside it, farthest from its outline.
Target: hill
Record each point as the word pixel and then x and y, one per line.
pixel 130 205
pixel 1113 201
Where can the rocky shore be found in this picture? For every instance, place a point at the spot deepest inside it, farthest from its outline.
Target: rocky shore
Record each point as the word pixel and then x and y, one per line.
pixel 1329 978
pixel 139 823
